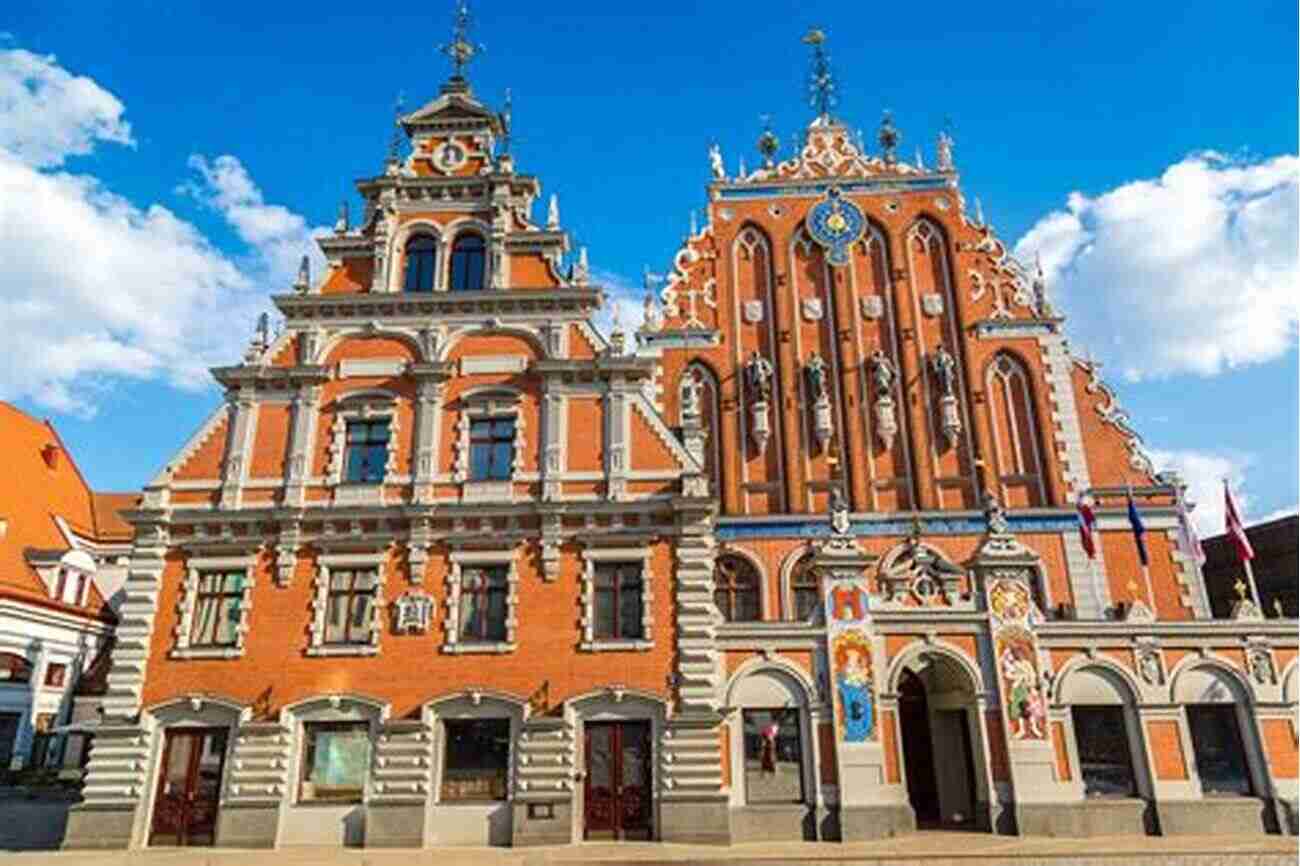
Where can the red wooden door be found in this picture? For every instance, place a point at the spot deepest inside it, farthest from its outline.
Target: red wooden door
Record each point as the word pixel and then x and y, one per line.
pixel 189 787
pixel 617 791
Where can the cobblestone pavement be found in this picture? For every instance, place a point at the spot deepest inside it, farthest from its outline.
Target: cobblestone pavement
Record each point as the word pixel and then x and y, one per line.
pixel 920 849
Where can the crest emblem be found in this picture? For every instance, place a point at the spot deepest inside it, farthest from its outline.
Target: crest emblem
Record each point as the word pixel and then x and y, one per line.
pixel 812 309
pixel 753 311
pixel 836 223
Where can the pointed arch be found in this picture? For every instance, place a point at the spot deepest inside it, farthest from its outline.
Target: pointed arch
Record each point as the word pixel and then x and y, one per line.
pixel 1014 428
pixel 711 412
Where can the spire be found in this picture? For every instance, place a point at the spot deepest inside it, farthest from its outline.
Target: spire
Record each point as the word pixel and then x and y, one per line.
pixel 889 136
pixel 395 143
pixel 694 225
pixel 460 50
pixel 341 227
pixel 920 160
pixel 303 282
pixel 553 213
pixel 821 83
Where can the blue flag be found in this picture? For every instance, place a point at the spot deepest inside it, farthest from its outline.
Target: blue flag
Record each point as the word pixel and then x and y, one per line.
pixel 1135 521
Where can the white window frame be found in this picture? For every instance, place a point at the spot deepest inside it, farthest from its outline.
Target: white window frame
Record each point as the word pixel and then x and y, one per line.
pixel 325 564
pixel 591 556
pixel 361 406
pixel 452 641
pixel 488 403
pixel 196 566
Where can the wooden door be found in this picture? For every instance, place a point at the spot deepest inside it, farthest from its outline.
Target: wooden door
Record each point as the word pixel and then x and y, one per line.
pixel 189 787
pixel 617 793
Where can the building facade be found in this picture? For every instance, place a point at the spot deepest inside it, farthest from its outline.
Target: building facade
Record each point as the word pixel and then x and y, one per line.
pixel 1274 569
pixel 63 552
pixel 799 559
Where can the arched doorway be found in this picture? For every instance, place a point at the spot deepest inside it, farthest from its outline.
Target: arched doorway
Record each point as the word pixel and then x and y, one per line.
pixel 938 727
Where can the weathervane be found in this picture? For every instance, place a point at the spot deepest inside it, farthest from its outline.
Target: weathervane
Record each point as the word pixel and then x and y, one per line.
pixel 821 84
pixel 460 50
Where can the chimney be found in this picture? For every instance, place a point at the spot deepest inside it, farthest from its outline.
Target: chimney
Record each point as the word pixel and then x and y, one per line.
pixel 50 454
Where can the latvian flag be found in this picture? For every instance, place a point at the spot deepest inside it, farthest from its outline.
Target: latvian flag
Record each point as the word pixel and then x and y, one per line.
pixel 1236 531
pixel 1087 527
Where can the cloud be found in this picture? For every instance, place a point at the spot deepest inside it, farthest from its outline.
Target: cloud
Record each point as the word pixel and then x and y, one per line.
pixel 96 289
pixel 1204 471
pixel 49 114
pixel 1276 514
pixel 624 301
pixel 1191 272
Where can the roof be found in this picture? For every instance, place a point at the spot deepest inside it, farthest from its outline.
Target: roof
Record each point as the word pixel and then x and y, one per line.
pixel 41 482
pixel 107 509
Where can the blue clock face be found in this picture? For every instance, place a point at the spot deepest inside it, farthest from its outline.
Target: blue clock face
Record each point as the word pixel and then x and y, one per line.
pixel 835 223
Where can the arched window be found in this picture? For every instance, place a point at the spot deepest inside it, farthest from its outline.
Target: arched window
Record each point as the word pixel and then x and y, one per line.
pixel 467 263
pixel 805 589
pixel 421 255
pixel 735 589
pixel 1015 434
pixel 14 669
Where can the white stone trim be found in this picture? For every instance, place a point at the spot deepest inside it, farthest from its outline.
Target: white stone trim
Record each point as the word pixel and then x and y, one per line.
pixel 185 604
pixel 452 643
pixel 352 367
pixel 590 557
pixel 368 405
pixel 473 365
pixel 482 404
pixel 320 602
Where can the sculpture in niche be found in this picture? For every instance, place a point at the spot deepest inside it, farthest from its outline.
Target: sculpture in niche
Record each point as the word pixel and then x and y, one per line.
pixel 691 390
pixel 815 374
pixel 883 375
pixel 944 367
pixel 758 386
pixel 1260 661
pixel 995 516
pixel 840 522
pixel 1149 666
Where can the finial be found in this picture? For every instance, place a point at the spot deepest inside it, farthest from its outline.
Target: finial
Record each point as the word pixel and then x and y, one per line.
pixel 768 143
pixel 694 224
pixel 341 227
pixel 264 329
pixel 395 143
pixel 303 283
pixel 460 50
pixel 744 173
pixel 507 113
pixel 979 212
pixel 917 529
pixel 889 136
pixel 821 83
pixel 943 149
pixel 1240 587
pixel 582 272
pixel 553 213
pixel 1041 300
pixel 920 162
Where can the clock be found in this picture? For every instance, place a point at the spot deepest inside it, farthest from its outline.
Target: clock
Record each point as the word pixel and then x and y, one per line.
pixel 836 223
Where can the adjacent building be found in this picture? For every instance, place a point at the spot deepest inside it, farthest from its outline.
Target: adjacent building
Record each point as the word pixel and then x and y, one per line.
pixel 1275 568
pixel 63 551
pixel 799 559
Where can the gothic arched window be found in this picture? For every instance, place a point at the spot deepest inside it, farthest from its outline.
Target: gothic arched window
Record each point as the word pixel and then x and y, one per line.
pixel 421 256
pixel 805 589
pixel 1015 434
pixel 709 407
pixel 736 588
pixel 468 263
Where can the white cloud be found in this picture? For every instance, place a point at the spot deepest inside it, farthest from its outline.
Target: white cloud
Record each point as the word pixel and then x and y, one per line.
pixel 1276 514
pixel 624 302
pixel 1204 471
pixel 49 114
pixel 96 289
pixel 1192 272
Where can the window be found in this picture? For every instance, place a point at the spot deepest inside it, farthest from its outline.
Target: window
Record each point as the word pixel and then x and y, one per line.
pixel 61 585
pixel 1220 758
pixel 56 676
pixel 467 263
pixel 484 597
pixel 618 601
pixel 735 589
pixel 773 756
pixel 1015 436
pixel 1105 762
pixel 477 763
pixel 491 449
pixel 805 590
pixel 83 582
pixel 367 451
pixel 14 670
pixel 350 607
pixel 421 256
pixel 335 761
pixel 216 609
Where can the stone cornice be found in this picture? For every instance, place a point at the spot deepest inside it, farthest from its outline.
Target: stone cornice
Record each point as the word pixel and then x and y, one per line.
pixel 394 308
pixel 265 375
pixel 1100 630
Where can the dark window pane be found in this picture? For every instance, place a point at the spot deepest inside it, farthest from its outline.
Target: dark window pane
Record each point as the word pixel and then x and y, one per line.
pixel 467 259
pixel 1104 758
pixel 421 253
pixel 629 611
pixel 1216 740
pixel 366 459
pixel 477 765
pixel 604 613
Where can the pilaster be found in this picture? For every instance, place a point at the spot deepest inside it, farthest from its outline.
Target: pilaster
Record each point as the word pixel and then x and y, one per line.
pixel 304 411
pixel 543 800
pixel 402 786
pixel 234 471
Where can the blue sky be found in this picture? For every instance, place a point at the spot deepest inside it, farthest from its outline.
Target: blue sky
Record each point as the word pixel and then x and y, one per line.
pixel 615 113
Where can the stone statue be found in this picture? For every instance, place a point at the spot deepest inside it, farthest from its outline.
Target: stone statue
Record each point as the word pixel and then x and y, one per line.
pixel 945 370
pixel 815 371
pixel 715 163
pixel 840 522
pixel 944 152
pixel 995 516
pixel 883 373
pixel 691 388
pixel 758 378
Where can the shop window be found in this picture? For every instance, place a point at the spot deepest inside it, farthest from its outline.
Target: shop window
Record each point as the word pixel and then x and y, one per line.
pixel 805 590
pixel 484 599
pixel 1105 761
pixel 477 762
pixel 421 258
pixel 773 756
pixel 735 589
pixel 1220 757
pixel 618 601
pixel 351 606
pixel 468 260
pixel 336 758
pixel 366 460
pixel 491 449
pixel 56 676
pixel 217 609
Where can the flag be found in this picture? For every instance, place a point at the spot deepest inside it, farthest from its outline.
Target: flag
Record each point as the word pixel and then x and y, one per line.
pixel 1187 537
pixel 1232 517
pixel 1135 521
pixel 1087 527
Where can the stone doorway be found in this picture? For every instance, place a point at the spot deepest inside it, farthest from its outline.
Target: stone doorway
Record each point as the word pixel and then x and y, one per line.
pixel 936 715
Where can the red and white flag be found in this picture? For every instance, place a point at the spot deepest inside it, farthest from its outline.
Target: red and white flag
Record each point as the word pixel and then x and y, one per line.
pixel 1188 540
pixel 1087 527
pixel 1236 531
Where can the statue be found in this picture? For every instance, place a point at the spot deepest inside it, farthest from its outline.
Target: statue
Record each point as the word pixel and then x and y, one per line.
pixel 995 516
pixel 840 523
pixel 883 373
pixel 758 378
pixel 944 152
pixel 691 388
pixel 815 371
pixel 945 370
pixel 715 163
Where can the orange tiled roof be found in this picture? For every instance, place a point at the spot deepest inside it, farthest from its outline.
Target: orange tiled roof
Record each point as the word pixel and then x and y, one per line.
pixel 108 508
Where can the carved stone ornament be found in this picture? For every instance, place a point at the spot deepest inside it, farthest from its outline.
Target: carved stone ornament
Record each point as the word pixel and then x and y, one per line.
pixel 414 611
pixel 944 367
pixel 753 311
pixel 760 429
pixel 812 309
pixel 1149 667
pixel 1260 660
pixel 873 307
pixel 932 304
pixel 917 569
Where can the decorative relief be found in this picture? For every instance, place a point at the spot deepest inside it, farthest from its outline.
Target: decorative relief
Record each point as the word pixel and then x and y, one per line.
pixel 811 309
pixel 873 307
pixel 753 312
pixel 1111 413
pixel 1012 612
pixel 1259 658
pixel 932 304
pixel 918 571
pixel 414 611
pixel 1150 668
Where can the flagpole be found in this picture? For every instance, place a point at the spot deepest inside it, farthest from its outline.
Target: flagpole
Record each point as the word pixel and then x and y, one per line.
pixel 1146 570
pixel 1254 591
